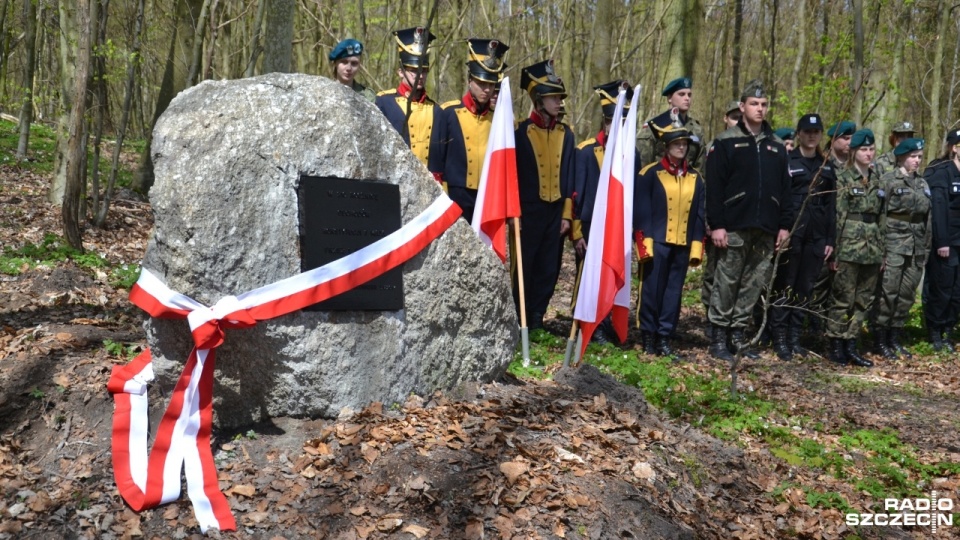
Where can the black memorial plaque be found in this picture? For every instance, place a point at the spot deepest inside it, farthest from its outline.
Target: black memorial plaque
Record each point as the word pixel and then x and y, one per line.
pixel 339 217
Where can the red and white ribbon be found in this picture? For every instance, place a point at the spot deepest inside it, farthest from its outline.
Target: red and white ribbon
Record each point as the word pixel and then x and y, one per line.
pixel 146 480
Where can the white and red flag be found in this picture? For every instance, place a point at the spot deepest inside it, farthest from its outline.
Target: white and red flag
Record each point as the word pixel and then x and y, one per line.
pixel 605 282
pixel 498 196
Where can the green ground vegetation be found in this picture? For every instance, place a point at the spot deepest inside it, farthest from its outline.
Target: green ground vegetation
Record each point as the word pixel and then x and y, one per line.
pixel 872 461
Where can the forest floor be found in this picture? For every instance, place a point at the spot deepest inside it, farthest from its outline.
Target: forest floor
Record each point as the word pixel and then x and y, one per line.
pixel 626 446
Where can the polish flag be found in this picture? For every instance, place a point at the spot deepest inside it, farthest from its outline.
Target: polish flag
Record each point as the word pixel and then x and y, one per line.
pixel 605 282
pixel 498 196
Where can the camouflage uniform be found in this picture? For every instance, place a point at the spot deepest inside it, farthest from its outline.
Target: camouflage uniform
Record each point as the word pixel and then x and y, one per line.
pixel 861 228
pixel 885 163
pixel 907 245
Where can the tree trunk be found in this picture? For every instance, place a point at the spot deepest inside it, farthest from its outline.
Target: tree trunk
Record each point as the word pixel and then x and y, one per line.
pixel 99 96
pixel 211 47
pixel 801 29
pixel 278 36
pixel 69 37
pixel 74 146
pixel 26 109
pixel 3 38
pixel 858 69
pixel 935 126
pixel 255 48
pixel 132 60
pixel 737 34
pixel 604 44
pixel 197 54
pixel 144 181
pixel 772 63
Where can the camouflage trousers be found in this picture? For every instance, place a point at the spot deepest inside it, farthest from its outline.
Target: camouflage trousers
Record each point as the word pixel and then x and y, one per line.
pixel 742 273
pixel 852 295
pixel 898 289
pixel 711 253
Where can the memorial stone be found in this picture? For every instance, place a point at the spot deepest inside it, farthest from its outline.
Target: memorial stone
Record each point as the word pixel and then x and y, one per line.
pixel 229 160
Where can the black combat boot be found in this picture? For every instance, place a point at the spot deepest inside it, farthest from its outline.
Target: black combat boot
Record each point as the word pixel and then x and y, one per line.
pixel 738 343
pixel 936 339
pixel 853 355
pixel 893 340
pixel 793 340
pixel 780 344
pixel 837 354
pixel 647 340
pixel 718 347
pixel 881 345
pixel 662 346
pixel 948 343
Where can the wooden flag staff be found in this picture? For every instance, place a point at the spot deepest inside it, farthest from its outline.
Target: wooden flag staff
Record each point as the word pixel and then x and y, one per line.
pixel 524 332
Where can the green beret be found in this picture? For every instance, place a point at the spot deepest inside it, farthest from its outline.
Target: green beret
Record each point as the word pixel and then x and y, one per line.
pixel 785 133
pixel 677 84
pixel 908 145
pixel 841 129
pixel 863 137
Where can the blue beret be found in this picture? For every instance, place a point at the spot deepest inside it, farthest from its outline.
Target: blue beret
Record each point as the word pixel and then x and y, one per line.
pixel 347 47
pixel 908 145
pixel 677 84
pixel 841 129
pixel 863 137
pixel 785 133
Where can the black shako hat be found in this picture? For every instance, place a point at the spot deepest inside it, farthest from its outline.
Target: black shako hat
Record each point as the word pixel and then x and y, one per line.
pixel 539 80
pixel 486 59
pixel 413 46
pixel 609 92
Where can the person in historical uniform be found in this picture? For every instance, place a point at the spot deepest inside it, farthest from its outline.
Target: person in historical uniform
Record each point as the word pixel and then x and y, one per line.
pixel 788 136
pixel 679 94
pixel 749 215
pixel 668 218
pixel 346 62
pixel 589 160
pixel 813 182
pixel 887 161
pixel 941 284
pixel 546 156
pixel 907 245
pixel 408 108
pixel 861 229
pixel 465 124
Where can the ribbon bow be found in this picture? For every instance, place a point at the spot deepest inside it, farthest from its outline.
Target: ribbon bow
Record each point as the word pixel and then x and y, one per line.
pixel 183 437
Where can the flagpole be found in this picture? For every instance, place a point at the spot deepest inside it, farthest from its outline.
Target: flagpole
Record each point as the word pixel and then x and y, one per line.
pixel 573 307
pixel 524 332
pixel 573 336
pixel 577 350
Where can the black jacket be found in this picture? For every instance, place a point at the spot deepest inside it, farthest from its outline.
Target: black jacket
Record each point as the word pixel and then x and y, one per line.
pixel 818 223
pixel 944 181
pixel 748 186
